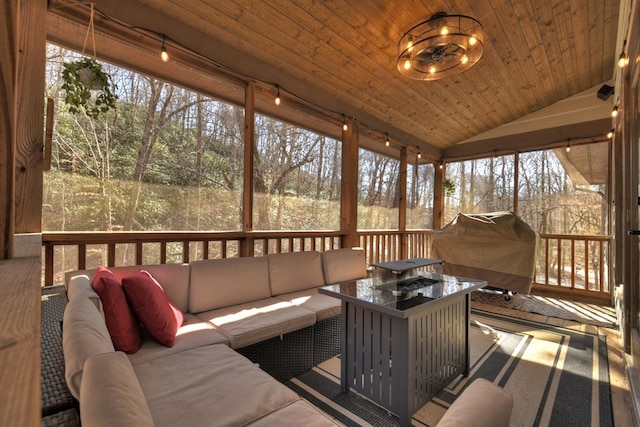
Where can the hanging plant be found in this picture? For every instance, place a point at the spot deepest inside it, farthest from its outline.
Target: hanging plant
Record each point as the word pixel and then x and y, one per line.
pixel 448 187
pixel 87 87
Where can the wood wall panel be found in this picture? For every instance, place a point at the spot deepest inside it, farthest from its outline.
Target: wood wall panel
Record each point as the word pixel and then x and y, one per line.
pixel 30 120
pixel 8 66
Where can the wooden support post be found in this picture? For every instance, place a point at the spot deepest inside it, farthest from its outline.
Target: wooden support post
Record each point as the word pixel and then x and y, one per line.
pixel 249 148
pixel 9 29
pixel 402 204
pixel 438 196
pixel 349 186
pixel 29 108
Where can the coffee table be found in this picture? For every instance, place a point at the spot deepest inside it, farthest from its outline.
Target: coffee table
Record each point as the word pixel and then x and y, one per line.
pixel 402 346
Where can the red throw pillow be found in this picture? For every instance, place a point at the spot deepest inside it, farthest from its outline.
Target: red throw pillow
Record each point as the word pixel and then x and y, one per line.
pixel 122 325
pixel 154 309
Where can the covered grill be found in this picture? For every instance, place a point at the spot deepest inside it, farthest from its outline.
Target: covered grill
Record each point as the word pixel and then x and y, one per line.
pixel 497 247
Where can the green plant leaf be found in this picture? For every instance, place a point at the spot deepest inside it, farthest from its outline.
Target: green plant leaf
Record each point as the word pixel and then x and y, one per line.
pixel 80 80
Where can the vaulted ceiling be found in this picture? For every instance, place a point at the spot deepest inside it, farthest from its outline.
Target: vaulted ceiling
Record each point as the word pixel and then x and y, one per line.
pixel 341 56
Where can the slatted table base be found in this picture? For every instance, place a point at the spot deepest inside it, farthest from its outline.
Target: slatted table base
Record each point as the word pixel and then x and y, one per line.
pixel 401 363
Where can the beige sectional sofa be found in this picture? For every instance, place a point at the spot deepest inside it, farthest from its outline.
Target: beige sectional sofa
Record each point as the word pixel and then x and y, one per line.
pixel 228 305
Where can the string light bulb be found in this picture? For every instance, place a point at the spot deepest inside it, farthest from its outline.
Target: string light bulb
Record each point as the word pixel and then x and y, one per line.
pixel 163 51
pixel 568 149
pixel 614 112
pixel 610 134
pixel 386 141
pixel 622 60
pixel 441 166
pixel 344 123
pixel 277 100
pixel 419 153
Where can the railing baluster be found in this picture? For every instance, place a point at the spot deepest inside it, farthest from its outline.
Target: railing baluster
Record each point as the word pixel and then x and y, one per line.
pixel 82 257
pixel 559 256
pixel 139 260
pixel 163 252
pixel 573 264
pixel 586 265
pixel 111 254
pixel 601 265
pixel 48 265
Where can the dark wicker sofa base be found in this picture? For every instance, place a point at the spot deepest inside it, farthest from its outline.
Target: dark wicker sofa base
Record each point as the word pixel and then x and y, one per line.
pixel 291 354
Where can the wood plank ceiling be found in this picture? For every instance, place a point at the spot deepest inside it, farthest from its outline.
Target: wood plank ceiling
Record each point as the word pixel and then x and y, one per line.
pixel 341 55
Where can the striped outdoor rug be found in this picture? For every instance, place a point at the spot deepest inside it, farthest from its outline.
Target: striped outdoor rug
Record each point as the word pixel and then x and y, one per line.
pixel 557 376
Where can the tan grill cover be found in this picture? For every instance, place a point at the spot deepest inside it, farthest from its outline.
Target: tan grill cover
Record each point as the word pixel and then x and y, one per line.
pixel 497 247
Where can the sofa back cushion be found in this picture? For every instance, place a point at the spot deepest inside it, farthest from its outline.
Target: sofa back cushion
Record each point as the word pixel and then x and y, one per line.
pixel 84 334
pixel 217 283
pixel 174 279
pixel 343 265
pixel 110 394
pixel 295 271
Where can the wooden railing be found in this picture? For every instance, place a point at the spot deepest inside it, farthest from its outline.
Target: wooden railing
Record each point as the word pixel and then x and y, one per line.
pixel 578 264
pixel 390 245
pixel 81 250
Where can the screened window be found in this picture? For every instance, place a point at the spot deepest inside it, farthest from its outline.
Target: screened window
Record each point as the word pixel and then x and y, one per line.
pixel 420 180
pixel 297 178
pixel 479 186
pixel 166 159
pixel 564 192
pixel 378 191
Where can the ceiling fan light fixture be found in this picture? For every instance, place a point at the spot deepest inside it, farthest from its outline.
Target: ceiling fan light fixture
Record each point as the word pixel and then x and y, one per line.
pixel 442 46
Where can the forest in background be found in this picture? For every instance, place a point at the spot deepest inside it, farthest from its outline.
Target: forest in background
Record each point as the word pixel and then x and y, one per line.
pixel 171 159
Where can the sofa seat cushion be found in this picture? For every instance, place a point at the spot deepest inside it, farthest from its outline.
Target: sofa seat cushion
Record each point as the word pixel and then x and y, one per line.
pixel 295 271
pixel 299 413
pixel 250 323
pixel 193 333
pixel 323 305
pixel 210 385
pixel 84 334
pixel 110 394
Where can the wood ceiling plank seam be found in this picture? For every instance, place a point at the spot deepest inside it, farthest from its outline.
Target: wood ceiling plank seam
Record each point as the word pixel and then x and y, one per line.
pixel 511 42
pixel 566 41
pixel 500 54
pixel 596 38
pixel 581 43
pixel 495 62
pixel 505 110
pixel 532 35
pixel 609 55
